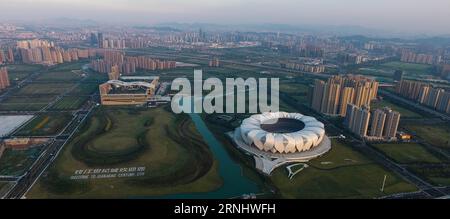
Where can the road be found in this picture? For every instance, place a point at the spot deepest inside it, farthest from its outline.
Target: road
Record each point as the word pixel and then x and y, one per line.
pixel 24 184
pixel 192 57
pixel 427 189
pixel 22 83
pixel 413 104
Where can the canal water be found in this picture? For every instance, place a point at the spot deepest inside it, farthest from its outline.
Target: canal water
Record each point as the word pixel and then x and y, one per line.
pixel 235 183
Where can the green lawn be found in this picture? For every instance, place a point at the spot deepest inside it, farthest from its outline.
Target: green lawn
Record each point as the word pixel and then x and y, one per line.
pixel 438 135
pixel 45 124
pixel 420 161
pixel 24 68
pixel 293 88
pixel 403 111
pixel 24 103
pixel 44 88
pixel 299 92
pixel 385 71
pixel 437 174
pixel 408 67
pixel 97 77
pixel 59 76
pixel 175 157
pixel 84 89
pixel 69 103
pixel 4 187
pixel 340 173
pixel 16 162
pixel 18 72
pixel 15 77
pixel 69 66
pixel 408 153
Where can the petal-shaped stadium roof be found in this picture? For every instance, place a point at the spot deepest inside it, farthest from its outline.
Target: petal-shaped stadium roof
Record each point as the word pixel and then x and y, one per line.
pixel 306 138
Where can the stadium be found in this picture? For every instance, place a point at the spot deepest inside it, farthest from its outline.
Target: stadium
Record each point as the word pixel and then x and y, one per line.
pixel 277 138
pixel 116 92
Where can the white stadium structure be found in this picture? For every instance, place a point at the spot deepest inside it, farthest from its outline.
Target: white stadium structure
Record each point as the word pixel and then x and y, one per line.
pixel 277 138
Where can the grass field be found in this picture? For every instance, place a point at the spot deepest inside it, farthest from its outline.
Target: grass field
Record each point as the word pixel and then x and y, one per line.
pixel 384 72
pixel 293 88
pixel 167 145
pixel 403 111
pixel 4 187
pixel 437 135
pixel 45 124
pixel 16 162
pixel 96 77
pixel 84 89
pixel 59 76
pixel 44 88
pixel 407 153
pixel 24 68
pixel 19 72
pixel 341 173
pixel 69 103
pixel 432 168
pixel 15 77
pixel 410 68
pixel 437 174
pixel 68 66
pixel 297 91
pixel 25 103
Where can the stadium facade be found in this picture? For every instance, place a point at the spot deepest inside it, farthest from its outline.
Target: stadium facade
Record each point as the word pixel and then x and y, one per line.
pixel 117 92
pixel 277 138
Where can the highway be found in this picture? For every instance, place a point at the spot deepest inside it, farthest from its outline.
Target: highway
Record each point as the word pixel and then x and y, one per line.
pixel 425 188
pixel 413 104
pixel 176 56
pixel 26 181
pixel 24 184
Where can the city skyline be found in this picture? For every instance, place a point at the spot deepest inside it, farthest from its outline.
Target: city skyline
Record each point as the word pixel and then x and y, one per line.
pixel 409 17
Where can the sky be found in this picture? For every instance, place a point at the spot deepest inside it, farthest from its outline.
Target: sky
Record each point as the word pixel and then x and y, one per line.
pixel 413 16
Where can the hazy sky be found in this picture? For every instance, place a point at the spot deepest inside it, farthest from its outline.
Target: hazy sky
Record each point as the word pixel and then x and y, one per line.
pixel 421 16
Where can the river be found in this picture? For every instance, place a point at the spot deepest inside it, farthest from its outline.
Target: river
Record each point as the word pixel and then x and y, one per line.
pixel 235 183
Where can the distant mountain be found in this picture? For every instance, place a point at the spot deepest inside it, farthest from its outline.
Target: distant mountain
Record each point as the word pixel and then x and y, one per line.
pixel 289 28
pixel 437 41
pixel 158 28
pixel 65 22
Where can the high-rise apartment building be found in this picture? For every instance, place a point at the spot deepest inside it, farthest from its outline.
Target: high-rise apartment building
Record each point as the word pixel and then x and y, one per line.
pixel 100 40
pixel 433 97
pixel 410 89
pixel 4 79
pixel 391 123
pixel 378 125
pixel 358 120
pixel 214 62
pixel 347 96
pixel 443 104
pixel 424 93
pixel 115 73
pixel 319 87
pixel 332 97
pixel 398 75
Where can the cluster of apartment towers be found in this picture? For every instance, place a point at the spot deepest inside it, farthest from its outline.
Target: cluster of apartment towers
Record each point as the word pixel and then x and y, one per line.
pixel 4 79
pixel 44 52
pixel 350 96
pixel 129 64
pixel 424 93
